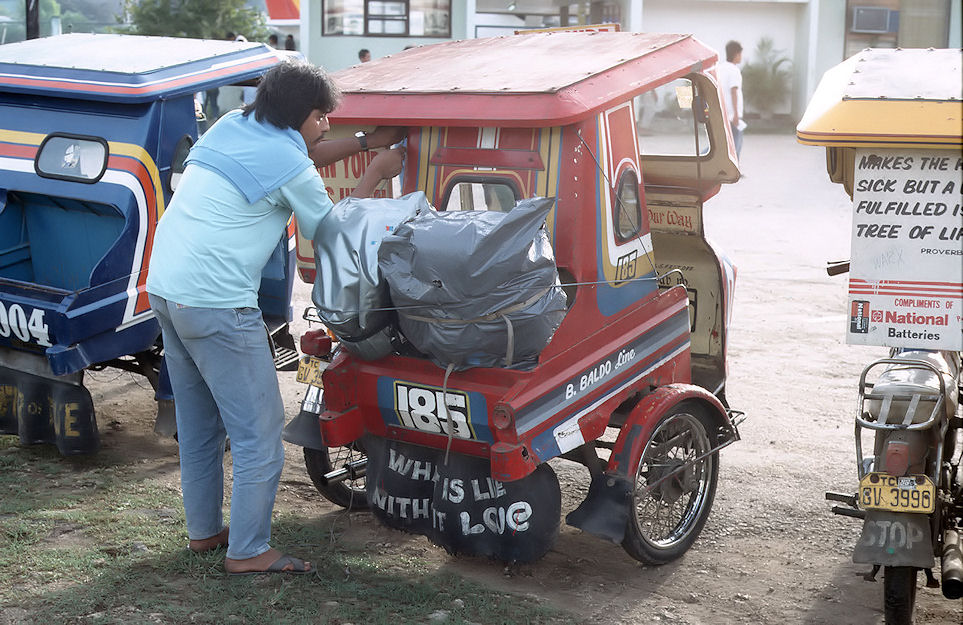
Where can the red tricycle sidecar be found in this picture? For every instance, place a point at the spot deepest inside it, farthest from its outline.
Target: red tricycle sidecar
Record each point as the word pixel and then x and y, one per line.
pixel 636 371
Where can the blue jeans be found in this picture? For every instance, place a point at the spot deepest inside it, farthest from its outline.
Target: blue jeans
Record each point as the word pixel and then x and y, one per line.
pixel 224 383
pixel 737 141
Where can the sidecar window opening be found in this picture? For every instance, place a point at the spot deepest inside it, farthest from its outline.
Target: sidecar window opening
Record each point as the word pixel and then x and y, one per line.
pixel 178 166
pixel 672 121
pixel 628 207
pixel 480 193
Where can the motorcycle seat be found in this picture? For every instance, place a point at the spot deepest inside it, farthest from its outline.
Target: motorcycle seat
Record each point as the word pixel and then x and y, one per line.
pixel 907 393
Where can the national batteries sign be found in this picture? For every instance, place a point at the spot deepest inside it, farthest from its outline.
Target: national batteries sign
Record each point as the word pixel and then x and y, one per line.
pixel 906 272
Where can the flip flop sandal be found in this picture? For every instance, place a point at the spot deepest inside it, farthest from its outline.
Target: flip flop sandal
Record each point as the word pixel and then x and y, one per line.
pixel 278 567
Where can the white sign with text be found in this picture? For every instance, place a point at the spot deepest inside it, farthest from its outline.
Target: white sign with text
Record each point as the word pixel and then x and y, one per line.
pixel 906 271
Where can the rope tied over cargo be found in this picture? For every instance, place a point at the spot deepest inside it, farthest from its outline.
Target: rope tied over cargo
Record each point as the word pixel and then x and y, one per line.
pixel 509 348
pixel 451 427
pixel 502 313
pixel 542 290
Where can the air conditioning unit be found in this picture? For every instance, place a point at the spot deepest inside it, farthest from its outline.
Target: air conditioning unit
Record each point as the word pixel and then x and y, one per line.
pixel 875 20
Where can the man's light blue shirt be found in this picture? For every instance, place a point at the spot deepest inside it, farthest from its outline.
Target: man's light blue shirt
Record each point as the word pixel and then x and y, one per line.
pixel 212 244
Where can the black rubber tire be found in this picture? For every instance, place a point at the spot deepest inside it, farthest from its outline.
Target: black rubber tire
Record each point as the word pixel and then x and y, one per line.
pixel 899 594
pixel 684 500
pixel 349 494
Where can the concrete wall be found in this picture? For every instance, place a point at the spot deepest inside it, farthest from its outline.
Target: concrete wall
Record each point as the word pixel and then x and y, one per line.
pixel 714 23
pixel 956 25
pixel 819 46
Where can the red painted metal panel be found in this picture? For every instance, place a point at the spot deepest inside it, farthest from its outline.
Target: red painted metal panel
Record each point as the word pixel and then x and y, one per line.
pixel 351 388
pixel 500 158
pixel 509 151
pixel 571 353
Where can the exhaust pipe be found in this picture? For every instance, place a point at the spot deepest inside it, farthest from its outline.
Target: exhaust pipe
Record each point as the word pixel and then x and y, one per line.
pixel 951 569
pixel 354 470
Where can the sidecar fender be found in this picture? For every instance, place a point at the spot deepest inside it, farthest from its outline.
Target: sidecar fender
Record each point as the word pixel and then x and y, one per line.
pixel 606 509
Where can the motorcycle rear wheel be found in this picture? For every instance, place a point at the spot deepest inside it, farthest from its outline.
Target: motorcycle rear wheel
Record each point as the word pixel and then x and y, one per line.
pixel 668 513
pixel 349 494
pixel 899 594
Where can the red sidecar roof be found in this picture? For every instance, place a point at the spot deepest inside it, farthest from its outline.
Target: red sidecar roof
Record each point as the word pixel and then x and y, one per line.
pixel 531 80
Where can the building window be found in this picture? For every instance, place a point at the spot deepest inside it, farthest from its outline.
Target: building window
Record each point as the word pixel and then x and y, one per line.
pixel 387 18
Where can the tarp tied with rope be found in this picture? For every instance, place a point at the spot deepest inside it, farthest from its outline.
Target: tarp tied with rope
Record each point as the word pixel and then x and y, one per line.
pixel 476 288
pixel 349 292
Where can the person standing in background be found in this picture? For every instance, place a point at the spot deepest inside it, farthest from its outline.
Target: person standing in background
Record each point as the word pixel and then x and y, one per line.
pixel 364 55
pixel 730 83
pixel 289 43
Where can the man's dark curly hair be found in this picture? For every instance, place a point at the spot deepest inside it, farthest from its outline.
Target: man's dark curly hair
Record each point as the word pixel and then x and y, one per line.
pixel 290 91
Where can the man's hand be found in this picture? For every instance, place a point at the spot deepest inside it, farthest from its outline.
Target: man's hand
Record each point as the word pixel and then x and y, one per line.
pixel 384 136
pixel 386 164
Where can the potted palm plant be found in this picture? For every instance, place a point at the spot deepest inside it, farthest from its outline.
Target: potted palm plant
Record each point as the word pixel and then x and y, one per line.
pixel 767 80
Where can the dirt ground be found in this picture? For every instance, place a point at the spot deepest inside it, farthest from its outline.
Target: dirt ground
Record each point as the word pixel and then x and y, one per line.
pixel 771 552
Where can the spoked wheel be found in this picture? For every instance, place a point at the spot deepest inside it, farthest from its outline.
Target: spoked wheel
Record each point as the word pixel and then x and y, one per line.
pixel 899 594
pixel 347 494
pixel 673 491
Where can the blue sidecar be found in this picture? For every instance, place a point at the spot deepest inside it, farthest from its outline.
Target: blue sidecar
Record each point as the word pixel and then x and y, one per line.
pixel 94 130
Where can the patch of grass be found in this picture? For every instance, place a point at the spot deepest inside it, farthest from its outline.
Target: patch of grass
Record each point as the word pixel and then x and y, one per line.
pixel 97 544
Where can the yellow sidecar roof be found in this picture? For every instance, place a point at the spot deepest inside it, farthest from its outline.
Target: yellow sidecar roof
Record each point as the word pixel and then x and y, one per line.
pixel 889 97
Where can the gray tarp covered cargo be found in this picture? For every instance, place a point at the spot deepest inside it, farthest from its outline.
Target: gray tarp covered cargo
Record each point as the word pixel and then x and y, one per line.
pixel 351 297
pixel 476 288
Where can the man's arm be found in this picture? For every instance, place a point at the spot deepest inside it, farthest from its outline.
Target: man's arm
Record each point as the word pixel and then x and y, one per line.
pixel 734 95
pixel 309 200
pixel 333 150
